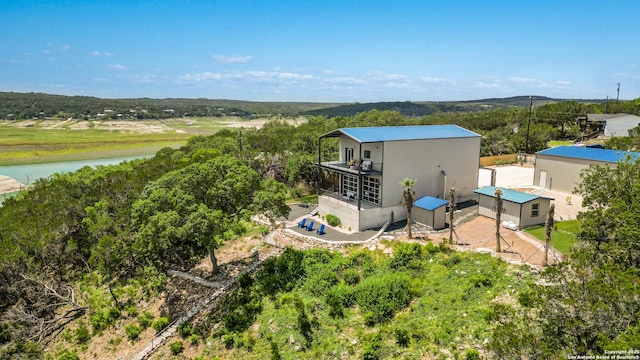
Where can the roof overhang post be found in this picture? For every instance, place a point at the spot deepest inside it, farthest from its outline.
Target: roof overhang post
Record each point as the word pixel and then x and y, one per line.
pixel 359 190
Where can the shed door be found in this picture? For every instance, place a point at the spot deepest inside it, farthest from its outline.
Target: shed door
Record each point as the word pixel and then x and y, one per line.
pixel 542 179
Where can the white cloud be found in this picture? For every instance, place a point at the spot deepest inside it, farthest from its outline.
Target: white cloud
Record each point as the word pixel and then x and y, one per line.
pixel 382 76
pixel 434 80
pixel 100 53
pixel 491 84
pixel 200 77
pixel 117 66
pixel 231 59
pixel 345 80
pixel 523 80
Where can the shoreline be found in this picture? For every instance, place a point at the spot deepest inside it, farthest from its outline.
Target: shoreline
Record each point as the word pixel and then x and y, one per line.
pixel 9 185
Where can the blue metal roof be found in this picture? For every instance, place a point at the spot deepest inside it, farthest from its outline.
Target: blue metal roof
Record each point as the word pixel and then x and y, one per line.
pixel 509 195
pixel 397 133
pixel 430 203
pixel 586 153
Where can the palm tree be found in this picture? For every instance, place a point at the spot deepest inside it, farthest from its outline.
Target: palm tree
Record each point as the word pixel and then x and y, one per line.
pixel 407 199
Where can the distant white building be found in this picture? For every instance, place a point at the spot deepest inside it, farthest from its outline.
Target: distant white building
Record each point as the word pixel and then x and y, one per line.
pixel 559 168
pixel 609 124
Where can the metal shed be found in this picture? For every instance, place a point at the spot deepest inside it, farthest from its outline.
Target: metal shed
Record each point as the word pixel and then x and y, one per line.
pixel 430 211
pixel 522 209
pixel 559 168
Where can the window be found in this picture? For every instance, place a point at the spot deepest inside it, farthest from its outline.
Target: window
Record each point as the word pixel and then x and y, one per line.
pixel 371 189
pixel 535 210
pixel 367 154
pixel 349 186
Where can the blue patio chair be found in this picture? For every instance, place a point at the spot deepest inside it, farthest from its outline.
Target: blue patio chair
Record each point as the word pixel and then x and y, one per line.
pixel 320 230
pixel 310 227
pixel 302 223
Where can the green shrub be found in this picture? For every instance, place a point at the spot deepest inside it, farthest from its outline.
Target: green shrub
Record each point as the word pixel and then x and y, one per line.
pixel 193 339
pixel 275 352
pixel 381 297
pixel 133 331
pixel 320 279
pixel 371 346
pixel 402 337
pixel 472 354
pixel 132 311
pixel 281 273
pixel 160 324
pixel 333 220
pixel 481 281
pixel 527 298
pixel 82 334
pixel 176 347
pixel 452 260
pixel 67 354
pixel 112 315
pixel 185 329
pixel 145 320
pixel 228 340
pixel 98 322
pixel 343 293
pixel 407 256
pixel 351 276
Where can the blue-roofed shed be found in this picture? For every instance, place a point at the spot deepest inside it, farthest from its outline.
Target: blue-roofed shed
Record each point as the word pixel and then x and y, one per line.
pixel 559 168
pixel 430 211
pixel 521 208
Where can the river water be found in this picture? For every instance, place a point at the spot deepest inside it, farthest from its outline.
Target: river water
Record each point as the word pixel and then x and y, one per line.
pixel 27 174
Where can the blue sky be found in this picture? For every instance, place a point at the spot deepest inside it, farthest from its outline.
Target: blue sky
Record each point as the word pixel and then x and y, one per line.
pixel 335 51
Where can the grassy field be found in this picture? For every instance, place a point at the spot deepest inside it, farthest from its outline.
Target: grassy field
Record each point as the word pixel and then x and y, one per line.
pixel 41 141
pixel 563 237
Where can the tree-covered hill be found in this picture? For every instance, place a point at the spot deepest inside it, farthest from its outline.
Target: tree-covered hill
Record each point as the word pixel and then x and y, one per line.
pixel 37 105
pixel 16 106
pixel 424 108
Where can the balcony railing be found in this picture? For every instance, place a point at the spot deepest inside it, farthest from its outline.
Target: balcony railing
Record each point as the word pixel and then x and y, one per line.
pixel 364 167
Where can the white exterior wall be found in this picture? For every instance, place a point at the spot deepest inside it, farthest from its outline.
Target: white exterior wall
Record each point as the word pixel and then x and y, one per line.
pixel 350 217
pixel 563 173
pixel 347 213
pixel 519 214
pixel 376 217
pixel 424 161
pixel 620 126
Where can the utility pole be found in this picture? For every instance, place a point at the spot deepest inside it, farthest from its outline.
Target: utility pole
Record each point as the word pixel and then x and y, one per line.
pixel 531 98
pixel 498 213
pixel 618 96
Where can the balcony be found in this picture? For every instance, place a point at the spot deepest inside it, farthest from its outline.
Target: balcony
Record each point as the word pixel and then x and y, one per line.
pixel 365 168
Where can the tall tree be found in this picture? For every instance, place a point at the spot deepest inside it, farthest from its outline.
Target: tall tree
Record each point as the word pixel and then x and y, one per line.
pixel 198 207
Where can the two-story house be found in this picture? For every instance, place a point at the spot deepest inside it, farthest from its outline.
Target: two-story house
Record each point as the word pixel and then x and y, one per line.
pixel 372 161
